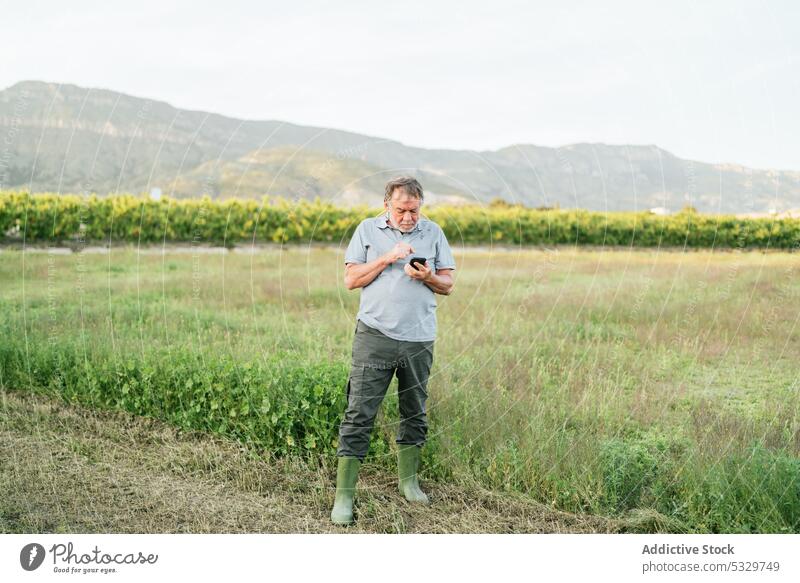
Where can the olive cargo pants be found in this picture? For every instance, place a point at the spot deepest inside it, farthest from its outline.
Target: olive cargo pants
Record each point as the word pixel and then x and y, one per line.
pixel 376 359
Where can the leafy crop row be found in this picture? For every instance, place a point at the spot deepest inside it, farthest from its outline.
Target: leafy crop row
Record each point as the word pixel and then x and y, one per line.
pixel 126 218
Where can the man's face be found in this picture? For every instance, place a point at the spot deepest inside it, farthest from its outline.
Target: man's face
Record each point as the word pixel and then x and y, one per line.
pixel 403 210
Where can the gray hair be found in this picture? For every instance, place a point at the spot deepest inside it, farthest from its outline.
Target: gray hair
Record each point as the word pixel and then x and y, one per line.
pixel 407 184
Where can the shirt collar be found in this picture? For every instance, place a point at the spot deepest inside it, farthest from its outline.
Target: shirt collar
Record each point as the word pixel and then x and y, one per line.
pixel 383 222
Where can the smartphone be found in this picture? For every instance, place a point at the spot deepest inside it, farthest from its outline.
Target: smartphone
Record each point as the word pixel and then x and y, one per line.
pixel 415 260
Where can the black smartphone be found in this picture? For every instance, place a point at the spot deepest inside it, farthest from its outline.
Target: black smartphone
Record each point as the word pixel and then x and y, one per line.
pixel 415 260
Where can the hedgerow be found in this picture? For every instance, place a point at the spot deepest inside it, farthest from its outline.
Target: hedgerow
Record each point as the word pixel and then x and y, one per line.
pixel 57 218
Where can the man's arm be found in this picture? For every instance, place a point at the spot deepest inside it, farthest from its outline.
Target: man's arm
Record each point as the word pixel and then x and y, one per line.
pixel 358 275
pixel 440 283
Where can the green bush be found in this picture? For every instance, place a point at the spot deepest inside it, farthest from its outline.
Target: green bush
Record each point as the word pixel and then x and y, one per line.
pixel 282 406
pixel 746 492
pixel 741 492
pixel 641 470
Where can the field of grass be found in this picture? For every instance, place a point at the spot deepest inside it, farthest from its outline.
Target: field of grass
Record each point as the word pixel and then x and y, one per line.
pixel 614 384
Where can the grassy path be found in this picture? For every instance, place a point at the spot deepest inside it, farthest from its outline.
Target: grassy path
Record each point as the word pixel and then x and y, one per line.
pixel 65 468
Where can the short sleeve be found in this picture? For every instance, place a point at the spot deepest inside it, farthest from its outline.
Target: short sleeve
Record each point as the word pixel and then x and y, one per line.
pixel 444 255
pixel 357 249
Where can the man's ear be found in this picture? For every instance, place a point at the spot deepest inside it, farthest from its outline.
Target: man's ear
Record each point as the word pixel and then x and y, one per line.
pixel 385 205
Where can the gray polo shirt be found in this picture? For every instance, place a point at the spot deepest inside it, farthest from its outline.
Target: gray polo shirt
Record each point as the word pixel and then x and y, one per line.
pixel 399 306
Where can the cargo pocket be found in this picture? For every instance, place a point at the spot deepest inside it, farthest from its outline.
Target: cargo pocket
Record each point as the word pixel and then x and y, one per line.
pixel 354 397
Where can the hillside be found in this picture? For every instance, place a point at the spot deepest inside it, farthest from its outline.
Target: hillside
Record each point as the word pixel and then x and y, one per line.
pixel 66 138
pixel 301 173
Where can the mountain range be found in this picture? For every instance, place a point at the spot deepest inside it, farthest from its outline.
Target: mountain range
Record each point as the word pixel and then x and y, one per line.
pixel 69 139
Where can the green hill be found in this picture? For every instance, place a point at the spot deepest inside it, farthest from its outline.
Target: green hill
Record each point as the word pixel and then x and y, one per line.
pixel 65 138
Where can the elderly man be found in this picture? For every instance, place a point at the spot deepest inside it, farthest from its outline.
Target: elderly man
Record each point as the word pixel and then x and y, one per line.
pixel 395 332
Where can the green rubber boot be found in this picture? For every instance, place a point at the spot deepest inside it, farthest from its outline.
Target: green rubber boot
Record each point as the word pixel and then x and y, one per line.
pixel 346 476
pixel 407 466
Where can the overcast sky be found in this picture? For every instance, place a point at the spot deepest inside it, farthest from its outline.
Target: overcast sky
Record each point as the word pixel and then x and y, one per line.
pixel 713 81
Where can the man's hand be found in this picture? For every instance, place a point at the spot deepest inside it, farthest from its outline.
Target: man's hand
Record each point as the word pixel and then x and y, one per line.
pixel 424 273
pixel 399 251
